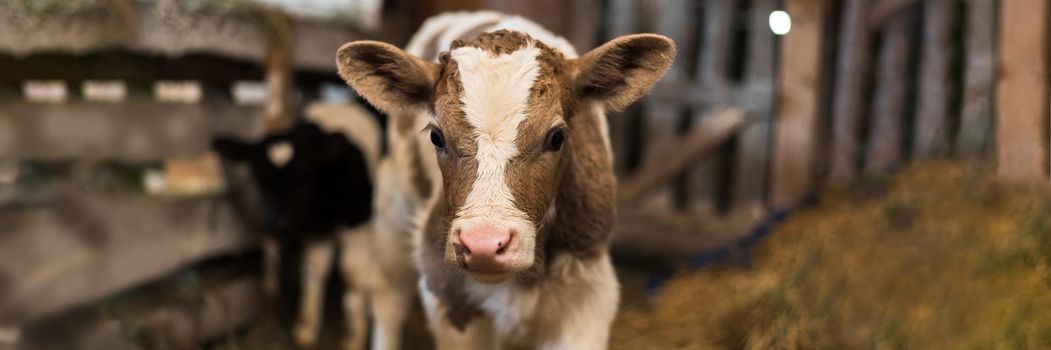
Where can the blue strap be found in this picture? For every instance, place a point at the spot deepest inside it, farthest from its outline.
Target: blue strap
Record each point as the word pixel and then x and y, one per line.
pixel 734 254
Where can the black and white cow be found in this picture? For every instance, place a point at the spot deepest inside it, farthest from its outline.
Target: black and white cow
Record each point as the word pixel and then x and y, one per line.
pixel 314 186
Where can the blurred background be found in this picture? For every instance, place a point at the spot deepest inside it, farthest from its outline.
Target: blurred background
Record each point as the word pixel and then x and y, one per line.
pixel 810 174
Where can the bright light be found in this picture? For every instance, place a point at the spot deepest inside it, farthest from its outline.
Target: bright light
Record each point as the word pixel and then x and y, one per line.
pixel 780 22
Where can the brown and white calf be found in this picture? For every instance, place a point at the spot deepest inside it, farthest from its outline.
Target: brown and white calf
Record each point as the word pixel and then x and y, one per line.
pixel 514 249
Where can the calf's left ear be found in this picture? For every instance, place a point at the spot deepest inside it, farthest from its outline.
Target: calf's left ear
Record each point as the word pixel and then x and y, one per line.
pixel 624 69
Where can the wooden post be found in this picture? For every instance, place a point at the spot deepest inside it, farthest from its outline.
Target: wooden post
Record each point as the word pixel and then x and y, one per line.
pixel 278 69
pixel 622 19
pixel 699 143
pixel 976 115
pixel 156 317
pixel 1022 93
pixel 664 238
pixel 582 24
pixel 546 12
pixel 77 248
pixel 931 134
pixel 713 63
pixel 754 142
pixel 662 117
pixel 888 112
pixel 795 130
pixel 718 29
pixel 852 71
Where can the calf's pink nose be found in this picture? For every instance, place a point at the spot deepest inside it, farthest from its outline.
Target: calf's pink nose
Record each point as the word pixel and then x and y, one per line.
pixel 485 248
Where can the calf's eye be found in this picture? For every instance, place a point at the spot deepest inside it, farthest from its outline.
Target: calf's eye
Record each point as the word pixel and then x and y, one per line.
pixel 437 139
pixel 555 138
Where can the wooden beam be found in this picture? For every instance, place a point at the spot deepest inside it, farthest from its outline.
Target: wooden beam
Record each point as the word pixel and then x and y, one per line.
pixel 548 13
pixel 713 69
pixel 278 70
pixel 662 121
pixel 665 238
pixel 164 317
pixel 796 126
pixel 700 142
pixel 887 124
pixel 168 28
pixel 753 146
pixel 931 128
pixel 134 130
pixel 77 248
pixel 622 18
pixel 1022 93
pixel 976 114
pixel 582 23
pixel 714 60
pixel 883 11
pixel 706 94
pixel 849 104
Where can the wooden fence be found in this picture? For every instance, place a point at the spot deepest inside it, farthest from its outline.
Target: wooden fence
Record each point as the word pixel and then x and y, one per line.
pixel 71 247
pixel 909 80
pixel 694 155
pixel 856 88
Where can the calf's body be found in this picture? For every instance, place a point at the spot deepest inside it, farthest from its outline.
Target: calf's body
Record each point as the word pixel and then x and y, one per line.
pixel 314 188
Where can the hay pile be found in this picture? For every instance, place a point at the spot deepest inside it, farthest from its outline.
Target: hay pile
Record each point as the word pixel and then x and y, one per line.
pixel 935 258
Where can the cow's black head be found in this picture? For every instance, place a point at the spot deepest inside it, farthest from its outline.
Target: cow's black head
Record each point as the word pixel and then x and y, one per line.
pixel 309 180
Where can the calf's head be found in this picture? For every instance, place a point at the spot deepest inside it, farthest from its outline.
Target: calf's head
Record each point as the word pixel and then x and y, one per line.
pixel 309 181
pixel 501 106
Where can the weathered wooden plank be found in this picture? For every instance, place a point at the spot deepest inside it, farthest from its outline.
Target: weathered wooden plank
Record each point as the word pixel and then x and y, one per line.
pixel 133 130
pixel 761 42
pixel 192 176
pixel 699 143
pixel 622 19
pixel 138 71
pixel 703 95
pixel 581 23
pixel 931 129
pixel 157 319
pixel 885 10
pixel 976 113
pixel 663 238
pixel 168 28
pixel 549 13
pixel 1022 93
pixel 751 168
pixel 713 62
pixel 848 105
pixel 714 58
pixel 278 71
pixel 796 126
pixel 77 248
pixel 885 145
pixel 661 123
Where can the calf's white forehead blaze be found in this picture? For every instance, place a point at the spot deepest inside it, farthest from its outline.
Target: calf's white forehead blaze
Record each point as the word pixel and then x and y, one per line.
pixel 495 98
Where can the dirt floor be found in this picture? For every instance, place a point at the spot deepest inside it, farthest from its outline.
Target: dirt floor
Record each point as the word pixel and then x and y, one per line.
pixel 934 258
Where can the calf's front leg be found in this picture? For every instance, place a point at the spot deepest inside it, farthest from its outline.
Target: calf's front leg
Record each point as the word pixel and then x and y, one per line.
pixel 355 266
pixel 271 268
pixel 317 262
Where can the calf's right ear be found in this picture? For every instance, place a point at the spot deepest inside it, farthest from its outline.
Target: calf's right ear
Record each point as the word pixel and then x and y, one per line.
pixel 232 149
pixel 624 69
pixel 389 78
